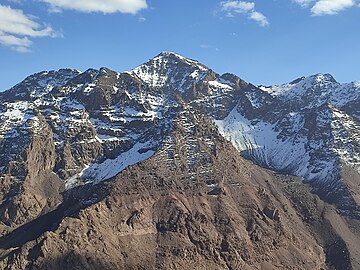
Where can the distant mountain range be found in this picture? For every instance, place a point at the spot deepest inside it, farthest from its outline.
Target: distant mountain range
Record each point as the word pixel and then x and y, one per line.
pixel 166 151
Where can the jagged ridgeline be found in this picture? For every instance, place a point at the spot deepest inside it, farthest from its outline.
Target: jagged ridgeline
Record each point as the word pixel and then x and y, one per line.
pixel 173 166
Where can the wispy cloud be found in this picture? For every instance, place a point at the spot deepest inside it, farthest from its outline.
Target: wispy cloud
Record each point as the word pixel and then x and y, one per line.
pixel 326 7
pixel 330 7
pixel 304 3
pixel 237 6
pixel 141 19
pixel 17 29
pixel 207 46
pixel 259 18
pixel 233 8
pixel 104 6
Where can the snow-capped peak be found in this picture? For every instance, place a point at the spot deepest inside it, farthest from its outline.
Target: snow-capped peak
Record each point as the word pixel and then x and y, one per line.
pixel 174 56
pixel 169 69
pixel 304 85
pixel 324 77
pixel 356 83
pixel 41 83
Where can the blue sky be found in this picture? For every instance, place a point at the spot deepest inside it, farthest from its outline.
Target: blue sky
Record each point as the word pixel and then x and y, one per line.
pixel 263 42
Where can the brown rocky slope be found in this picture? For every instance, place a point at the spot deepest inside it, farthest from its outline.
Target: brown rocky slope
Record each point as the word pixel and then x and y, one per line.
pixel 195 204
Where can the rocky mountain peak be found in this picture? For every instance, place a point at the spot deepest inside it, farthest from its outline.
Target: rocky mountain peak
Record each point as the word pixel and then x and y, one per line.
pixel 317 78
pixel 323 82
pixel 39 84
pixel 324 78
pixel 313 90
pixel 174 58
pixel 170 70
pixel 297 80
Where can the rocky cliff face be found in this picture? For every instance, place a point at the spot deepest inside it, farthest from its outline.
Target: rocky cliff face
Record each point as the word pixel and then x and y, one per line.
pixel 195 203
pixel 108 170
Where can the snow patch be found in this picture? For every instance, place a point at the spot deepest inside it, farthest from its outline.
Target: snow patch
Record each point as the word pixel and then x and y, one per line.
pixel 98 172
pixel 263 143
pixel 89 88
pixel 220 85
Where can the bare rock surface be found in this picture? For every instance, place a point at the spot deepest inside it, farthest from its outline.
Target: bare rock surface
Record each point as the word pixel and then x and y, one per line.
pixel 154 215
pixel 173 166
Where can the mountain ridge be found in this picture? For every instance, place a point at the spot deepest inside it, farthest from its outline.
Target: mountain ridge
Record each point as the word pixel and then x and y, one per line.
pixel 198 85
pixel 66 132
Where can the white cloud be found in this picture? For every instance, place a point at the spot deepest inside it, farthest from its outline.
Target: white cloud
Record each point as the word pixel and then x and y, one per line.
pixel 238 6
pixel 304 3
pixel 242 7
pixel 104 6
pixel 19 44
pixel 16 28
pixel 326 7
pixel 330 7
pixel 259 18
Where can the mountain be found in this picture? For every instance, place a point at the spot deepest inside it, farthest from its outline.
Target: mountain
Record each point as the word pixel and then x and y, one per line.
pixel 177 166
pixel 308 128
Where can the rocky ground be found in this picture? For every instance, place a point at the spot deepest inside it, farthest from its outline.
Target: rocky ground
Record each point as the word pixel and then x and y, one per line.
pixel 165 213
